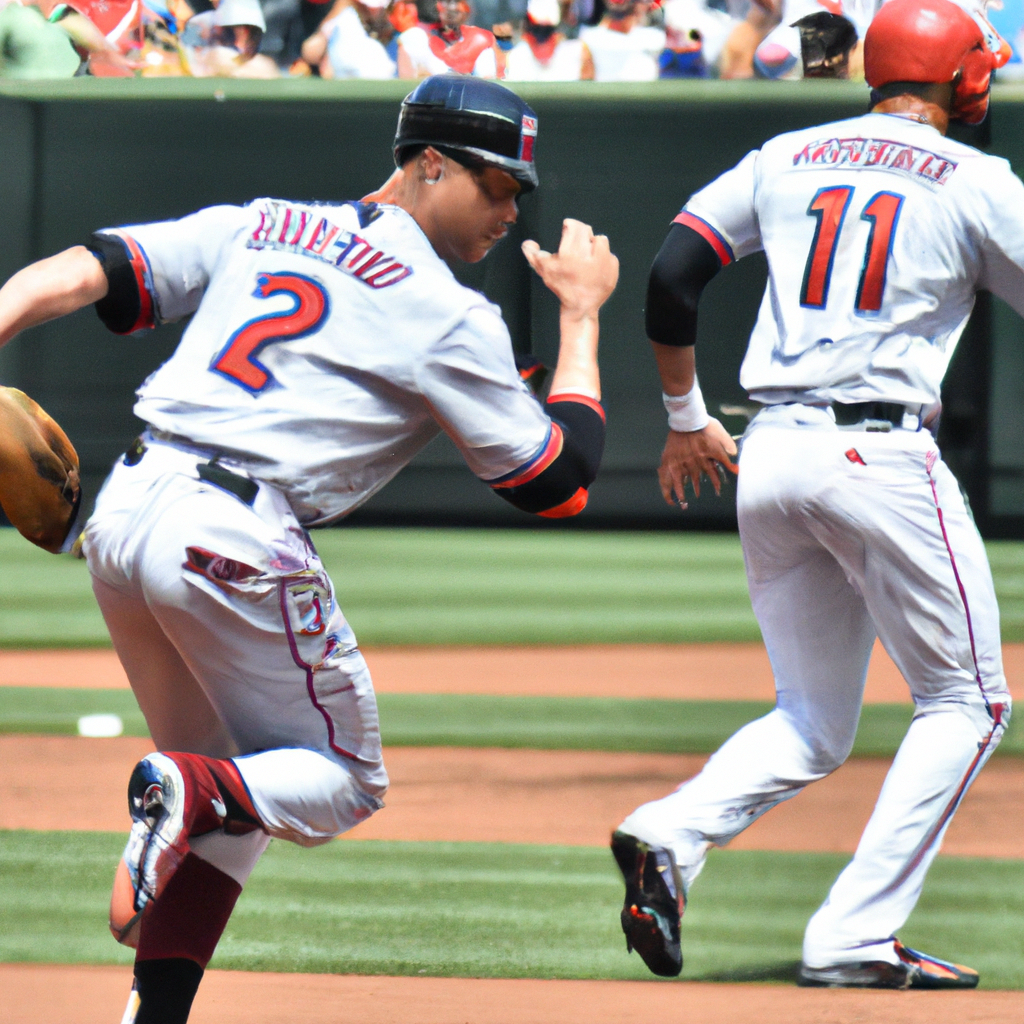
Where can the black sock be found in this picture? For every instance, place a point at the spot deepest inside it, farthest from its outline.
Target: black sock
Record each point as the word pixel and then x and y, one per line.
pixel 166 989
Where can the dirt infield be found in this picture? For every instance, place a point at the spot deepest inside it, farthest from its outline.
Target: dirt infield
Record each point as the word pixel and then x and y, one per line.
pixel 667 671
pixel 32 994
pixel 513 796
pixel 504 796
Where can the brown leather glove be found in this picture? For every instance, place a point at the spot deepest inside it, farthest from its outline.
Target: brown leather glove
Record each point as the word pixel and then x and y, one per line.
pixel 39 485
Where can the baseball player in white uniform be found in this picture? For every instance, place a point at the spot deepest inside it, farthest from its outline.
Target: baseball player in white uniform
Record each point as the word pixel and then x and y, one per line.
pixel 328 344
pixel 878 232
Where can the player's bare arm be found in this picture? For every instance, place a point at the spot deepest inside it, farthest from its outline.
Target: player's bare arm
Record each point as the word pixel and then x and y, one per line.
pixel 582 274
pixel 49 289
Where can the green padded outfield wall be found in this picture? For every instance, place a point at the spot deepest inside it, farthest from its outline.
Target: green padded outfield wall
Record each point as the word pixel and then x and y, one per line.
pixel 83 154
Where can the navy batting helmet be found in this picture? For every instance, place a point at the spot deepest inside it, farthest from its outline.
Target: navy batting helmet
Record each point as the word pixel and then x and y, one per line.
pixel 480 121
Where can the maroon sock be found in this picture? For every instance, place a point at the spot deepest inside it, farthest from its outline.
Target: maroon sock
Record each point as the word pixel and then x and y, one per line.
pixel 192 912
pixel 178 936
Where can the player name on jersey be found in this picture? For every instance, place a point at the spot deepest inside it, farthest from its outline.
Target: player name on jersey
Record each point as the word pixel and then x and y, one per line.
pixel 862 154
pixel 304 232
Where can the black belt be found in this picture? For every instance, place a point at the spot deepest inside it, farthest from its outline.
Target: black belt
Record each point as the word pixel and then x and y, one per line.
pixel 854 414
pixel 212 472
pixel 234 483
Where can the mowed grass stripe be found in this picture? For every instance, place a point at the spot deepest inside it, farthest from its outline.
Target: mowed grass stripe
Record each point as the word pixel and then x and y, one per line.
pixel 490 910
pixel 436 586
pixel 541 723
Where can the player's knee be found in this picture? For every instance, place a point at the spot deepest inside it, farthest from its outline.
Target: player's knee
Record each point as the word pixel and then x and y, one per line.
pixel 826 760
pixel 309 798
pixel 827 751
pixel 350 805
pixel 823 745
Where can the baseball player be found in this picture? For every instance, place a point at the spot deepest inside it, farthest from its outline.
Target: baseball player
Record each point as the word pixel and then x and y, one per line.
pixel 878 232
pixel 328 344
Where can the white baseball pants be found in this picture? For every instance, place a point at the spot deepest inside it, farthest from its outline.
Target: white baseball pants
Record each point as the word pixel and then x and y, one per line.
pixel 225 621
pixel 847 535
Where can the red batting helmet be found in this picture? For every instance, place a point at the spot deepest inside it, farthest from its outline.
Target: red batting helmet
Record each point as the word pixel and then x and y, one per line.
pixel 931 41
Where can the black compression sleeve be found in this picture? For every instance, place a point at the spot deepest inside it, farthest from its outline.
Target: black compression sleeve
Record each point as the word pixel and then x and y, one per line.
pixel 682 268
pixel 119 309
pixel 583 428
pixel 568 476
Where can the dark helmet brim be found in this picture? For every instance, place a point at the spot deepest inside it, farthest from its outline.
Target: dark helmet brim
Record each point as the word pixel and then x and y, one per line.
pixel 523 172
pixel 479 118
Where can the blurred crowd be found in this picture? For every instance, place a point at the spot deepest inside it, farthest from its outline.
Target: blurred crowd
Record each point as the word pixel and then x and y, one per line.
pixel 517 40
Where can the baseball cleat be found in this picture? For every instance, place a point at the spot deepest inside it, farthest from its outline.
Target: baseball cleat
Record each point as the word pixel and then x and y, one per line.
pixel 168 802
pixel 654 904
pixel 914 970
pixel 157 843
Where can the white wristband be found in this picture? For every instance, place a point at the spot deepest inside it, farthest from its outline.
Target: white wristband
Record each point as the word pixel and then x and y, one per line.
pixel 687 412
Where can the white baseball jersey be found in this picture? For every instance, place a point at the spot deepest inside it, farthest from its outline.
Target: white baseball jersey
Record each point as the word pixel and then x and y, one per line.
pixel 624 56
pixel 352 51
pixel 565 63
pixel 878 232
pixel 328 345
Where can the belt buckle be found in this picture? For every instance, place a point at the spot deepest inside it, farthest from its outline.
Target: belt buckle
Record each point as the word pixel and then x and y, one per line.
pixel 875 426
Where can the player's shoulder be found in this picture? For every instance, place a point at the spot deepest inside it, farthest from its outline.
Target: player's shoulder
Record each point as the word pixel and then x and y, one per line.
pixel 875 141
pixel 375 244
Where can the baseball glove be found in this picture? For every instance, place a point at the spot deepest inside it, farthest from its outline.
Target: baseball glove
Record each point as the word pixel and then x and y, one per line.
pixel 39 487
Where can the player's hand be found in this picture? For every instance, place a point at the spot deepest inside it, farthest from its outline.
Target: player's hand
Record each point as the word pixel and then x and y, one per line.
pixel 688 455
pixel 584 271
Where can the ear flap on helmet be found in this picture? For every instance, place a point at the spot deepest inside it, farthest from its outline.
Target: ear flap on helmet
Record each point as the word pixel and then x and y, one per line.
pixel 971 91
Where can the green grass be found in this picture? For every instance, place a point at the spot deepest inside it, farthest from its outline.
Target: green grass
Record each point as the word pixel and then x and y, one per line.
pixel 433 586
pixel 545 723
pixel 455 586
pixel 492 910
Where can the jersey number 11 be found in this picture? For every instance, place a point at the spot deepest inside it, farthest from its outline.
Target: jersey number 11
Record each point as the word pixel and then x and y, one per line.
pixel 829 207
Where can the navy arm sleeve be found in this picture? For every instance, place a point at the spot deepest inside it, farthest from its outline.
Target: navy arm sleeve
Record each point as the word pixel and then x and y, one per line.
pixel 681 270
pixel 554 483
pixel 127 306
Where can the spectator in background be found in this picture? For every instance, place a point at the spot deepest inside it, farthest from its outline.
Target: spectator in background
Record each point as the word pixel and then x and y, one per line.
pixel 450 44
pixel 225 42
pixel 1008 21
pixel 694 36
pixel 33 47
pixel 826 43
pixel 506 14
pixel 737 59
pixel 49 39
pixel 107 29
pixel 283 37
pixel 160 55
pixel 357 40
pixel 575 13
pixel 623 47
pixel 544 54
pixel 779 54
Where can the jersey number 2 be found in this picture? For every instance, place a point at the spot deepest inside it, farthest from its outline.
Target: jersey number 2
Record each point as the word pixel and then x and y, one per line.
pixel 828 207
pixel 237 360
